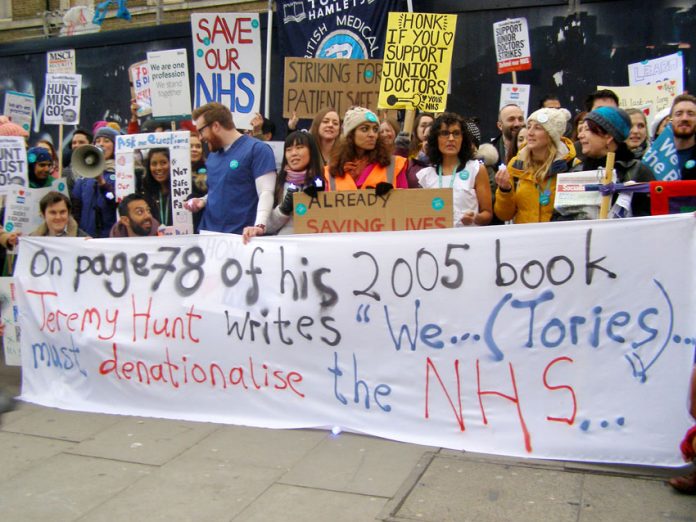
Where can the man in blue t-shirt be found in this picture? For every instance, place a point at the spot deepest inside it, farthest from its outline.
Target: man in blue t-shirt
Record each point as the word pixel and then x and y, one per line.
pixel 241 175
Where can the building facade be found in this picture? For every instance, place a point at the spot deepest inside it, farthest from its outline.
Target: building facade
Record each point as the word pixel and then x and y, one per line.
pixel 31 19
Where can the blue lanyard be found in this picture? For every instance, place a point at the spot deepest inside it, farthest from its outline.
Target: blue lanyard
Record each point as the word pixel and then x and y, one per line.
pixel 439 175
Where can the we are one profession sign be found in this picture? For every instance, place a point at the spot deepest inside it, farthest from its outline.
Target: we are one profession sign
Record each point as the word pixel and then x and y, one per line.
pixel 567 341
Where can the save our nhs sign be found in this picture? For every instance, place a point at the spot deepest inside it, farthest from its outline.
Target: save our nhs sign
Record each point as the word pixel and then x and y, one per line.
pixel 227 62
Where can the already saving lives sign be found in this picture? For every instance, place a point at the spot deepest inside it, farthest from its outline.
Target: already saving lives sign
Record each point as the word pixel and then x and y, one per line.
pixel 545 341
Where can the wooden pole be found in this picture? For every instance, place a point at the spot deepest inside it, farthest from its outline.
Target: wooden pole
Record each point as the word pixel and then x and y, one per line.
pixel 608 174
pixel 409 119
pixel 59 150
pixel 514 77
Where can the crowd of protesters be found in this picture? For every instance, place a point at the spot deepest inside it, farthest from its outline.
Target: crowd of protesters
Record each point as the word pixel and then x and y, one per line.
pixel 510 178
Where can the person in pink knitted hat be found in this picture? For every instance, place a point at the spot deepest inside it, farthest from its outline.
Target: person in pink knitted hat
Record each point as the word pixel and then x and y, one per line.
pixel 9 128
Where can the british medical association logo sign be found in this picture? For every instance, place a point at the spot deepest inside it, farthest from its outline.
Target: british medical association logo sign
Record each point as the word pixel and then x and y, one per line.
pixel 335 28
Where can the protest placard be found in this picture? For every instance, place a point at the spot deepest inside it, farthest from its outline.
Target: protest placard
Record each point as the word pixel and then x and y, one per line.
pixel 650 99
pixel 515 93
pixel 139 74
pixel 179 147
pixel 512 49
pixel 22 213
pixel 672 197
pixel 538 341
pixel 333 29
pixel 60 62
pixel 572 198
pixel 13 163
pixel 662 157
pixel 417 61
pixel 667 70
pixel 312 84
pixel 62 99
pixel 227 61
pixel 19 107
pixel 9 315
pixel 169 84
pixel 365 211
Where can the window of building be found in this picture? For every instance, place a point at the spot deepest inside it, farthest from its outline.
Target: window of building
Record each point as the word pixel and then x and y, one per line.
pixel 5 9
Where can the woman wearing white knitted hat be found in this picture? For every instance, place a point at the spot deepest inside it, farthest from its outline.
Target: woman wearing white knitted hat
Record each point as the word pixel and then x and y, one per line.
pixel 527 187
pixel 362 159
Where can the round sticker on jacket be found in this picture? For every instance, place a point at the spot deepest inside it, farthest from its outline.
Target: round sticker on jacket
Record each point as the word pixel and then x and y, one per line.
pixel 542 118
pixel 234 164
pixel 463 175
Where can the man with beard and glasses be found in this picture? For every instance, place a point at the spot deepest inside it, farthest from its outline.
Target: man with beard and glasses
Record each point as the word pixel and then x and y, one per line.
pixel 241 175
pixel 684 126
pixel 135 218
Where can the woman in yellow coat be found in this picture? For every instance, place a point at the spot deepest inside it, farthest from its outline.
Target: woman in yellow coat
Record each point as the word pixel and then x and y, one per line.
pixel 527 187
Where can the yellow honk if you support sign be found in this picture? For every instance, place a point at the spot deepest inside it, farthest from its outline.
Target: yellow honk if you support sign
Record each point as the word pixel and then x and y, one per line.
pixel 417 61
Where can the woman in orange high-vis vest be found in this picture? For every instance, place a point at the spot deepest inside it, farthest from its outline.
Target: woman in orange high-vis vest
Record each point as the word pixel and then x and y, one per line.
pixel 362 159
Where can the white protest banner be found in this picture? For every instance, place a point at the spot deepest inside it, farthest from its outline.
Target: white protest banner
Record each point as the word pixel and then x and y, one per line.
pixel 19 107
pixel 227 61
pixel 60 62
pixel 13 163
pixel 650 99
pixel 515 93
pixel 544 340
pixel 62 99
pixel 512 50
pixel 417 61
pixel 668 69
pixel 22 206
pixel 139 74
pixel 169 84
pixel 9 316
pixel 179 147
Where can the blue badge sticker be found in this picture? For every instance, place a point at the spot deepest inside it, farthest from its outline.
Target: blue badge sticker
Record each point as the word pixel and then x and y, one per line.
pixel 199 53
pixel 31 158
pixel 368 74
pixel 301 209
pixel 369 116
pixel 690 164
pixel 206 40
pixel 254 23
pixel 234 164
pixel 438 204
pixel 61 185
pixel 463 175
pixel 9 226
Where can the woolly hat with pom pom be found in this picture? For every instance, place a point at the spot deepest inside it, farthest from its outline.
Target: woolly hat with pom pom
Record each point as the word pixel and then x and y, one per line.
pixel 554 122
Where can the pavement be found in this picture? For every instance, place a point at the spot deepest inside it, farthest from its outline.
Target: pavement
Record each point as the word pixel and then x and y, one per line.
pixel 60 465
